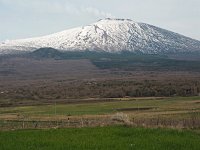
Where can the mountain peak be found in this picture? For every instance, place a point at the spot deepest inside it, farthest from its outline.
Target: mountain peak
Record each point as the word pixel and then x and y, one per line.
pixel 110 35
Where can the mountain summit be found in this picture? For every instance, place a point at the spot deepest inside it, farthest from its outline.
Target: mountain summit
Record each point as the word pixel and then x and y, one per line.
pixel 110 35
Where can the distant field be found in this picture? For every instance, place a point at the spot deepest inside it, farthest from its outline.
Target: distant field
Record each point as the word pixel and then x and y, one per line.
pixel 104 138
pixel 155 105
pixel 176 112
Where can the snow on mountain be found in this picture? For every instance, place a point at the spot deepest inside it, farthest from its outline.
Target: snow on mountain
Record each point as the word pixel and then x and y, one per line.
pixel 111 35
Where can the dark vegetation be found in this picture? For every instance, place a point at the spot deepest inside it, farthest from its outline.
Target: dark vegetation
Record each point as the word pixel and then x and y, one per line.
pixel 106 89
pixel 34 92
pixel 124 60
pixel 127 60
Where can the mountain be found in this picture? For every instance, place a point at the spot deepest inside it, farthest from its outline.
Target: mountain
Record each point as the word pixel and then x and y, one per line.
pixel 108 35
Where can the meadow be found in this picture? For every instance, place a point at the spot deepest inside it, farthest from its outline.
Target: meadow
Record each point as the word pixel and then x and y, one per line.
pixel 105 138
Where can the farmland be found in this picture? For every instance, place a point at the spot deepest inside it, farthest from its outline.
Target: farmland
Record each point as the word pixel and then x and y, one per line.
pixel 176 112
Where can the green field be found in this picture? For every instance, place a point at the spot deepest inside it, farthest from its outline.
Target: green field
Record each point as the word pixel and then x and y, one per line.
pixel 116 138
pixel 175 112
pixel 158 105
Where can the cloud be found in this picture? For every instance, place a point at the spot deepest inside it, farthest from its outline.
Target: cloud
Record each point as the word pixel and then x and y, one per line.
pixel 52 6
pixel 96 12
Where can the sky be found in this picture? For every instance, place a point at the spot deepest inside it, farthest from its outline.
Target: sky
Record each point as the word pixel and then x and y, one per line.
pixel 31 18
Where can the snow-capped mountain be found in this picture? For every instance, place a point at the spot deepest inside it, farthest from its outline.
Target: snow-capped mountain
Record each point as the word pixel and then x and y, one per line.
pixel 110 35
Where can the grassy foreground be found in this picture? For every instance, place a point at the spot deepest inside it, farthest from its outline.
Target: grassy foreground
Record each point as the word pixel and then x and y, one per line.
pixel 116 137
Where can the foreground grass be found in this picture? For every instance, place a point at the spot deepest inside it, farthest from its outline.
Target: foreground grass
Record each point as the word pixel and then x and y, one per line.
pixel 117 138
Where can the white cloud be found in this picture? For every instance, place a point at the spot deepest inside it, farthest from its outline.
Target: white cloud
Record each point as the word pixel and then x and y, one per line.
pixel 96 12
pixel 52 6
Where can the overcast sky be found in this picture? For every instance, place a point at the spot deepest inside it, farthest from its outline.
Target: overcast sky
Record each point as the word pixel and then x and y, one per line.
pixel 30 18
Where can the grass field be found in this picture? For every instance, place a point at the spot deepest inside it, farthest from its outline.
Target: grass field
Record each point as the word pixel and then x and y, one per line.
pixel 105 138
pixel 175 112
pixel 128 105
